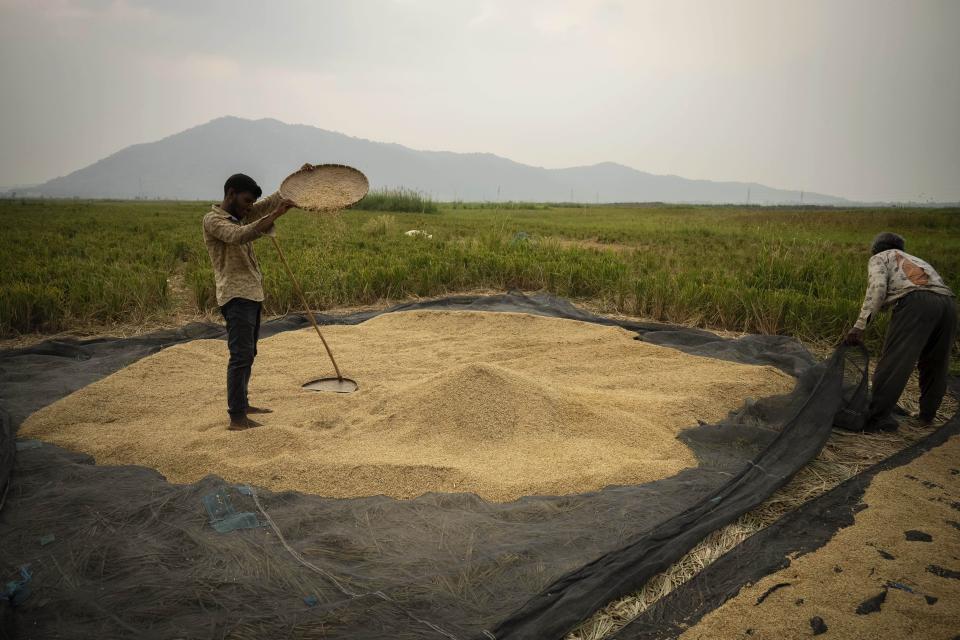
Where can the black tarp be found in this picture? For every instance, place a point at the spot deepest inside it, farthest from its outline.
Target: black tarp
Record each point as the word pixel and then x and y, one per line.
pixel 134 556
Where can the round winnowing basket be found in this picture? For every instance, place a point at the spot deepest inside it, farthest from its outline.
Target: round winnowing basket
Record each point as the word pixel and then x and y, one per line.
pixel 326 187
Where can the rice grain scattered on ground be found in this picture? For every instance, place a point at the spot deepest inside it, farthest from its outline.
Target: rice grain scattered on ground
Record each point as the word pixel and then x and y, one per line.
pixel 871 580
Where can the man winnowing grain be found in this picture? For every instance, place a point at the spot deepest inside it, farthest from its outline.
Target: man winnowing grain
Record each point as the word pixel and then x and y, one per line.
pixel 920 334
pixel 229 230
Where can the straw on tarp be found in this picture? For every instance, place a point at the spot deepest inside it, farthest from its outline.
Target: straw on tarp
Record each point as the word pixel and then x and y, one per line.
pixel 326 187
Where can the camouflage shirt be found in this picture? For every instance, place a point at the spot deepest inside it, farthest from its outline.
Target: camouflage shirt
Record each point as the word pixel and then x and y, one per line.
pixel 230 245
pixel 893 274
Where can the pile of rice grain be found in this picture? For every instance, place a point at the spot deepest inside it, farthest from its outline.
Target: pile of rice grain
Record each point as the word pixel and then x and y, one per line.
pixel 499 404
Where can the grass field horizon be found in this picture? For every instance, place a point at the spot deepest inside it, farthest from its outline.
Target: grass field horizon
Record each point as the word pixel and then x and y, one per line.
pixel 797 271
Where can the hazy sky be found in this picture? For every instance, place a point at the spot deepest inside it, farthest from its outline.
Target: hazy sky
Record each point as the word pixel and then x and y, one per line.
pixel 852 98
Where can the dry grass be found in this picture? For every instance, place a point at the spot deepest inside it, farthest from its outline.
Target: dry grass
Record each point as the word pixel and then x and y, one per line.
pixel 177 318
pixel 844 456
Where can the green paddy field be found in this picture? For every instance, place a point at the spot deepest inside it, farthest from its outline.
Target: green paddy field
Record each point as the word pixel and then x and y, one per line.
pixel 796 271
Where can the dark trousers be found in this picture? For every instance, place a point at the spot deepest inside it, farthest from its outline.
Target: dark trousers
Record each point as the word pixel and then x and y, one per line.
pixel 243 330
pixel 920 335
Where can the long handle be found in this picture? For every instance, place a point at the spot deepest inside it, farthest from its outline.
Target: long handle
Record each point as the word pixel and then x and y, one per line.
pixel 303 301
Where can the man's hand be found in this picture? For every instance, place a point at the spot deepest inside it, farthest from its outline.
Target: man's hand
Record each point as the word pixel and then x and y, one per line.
pixel 282 207
pixel 854 337
pixel 265 224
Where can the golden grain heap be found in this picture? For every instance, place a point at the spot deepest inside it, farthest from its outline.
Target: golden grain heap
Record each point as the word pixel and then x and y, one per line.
pixel 499 404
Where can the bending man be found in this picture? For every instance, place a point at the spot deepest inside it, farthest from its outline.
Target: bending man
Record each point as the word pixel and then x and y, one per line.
pixel 229 231
pixel 920 333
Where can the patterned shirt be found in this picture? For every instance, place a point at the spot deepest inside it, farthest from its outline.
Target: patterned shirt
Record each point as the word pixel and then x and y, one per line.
pixel 893 274
pixel 230 245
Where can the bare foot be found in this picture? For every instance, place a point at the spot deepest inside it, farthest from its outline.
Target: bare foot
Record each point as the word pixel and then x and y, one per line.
pixel 242 424
pixel 258 410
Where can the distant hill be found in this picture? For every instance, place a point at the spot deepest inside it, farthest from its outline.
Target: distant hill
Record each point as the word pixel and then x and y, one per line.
pixel 193 164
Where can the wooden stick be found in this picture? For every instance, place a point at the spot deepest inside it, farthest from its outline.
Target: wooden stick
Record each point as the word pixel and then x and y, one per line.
pixel 303 301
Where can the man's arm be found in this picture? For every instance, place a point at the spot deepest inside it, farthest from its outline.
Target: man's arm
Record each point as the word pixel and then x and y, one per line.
pixel 231 233
pixel 269 203
pixel 264 206
pixel 873 300
pixel 876 291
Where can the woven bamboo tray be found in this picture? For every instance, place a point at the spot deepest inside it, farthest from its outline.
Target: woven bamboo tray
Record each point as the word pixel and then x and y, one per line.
pixel 327 187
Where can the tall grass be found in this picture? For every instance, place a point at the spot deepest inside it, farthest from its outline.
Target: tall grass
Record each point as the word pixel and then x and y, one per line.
pixel 380 225
pixel 508 205
pixel 397 200
pixel 798 271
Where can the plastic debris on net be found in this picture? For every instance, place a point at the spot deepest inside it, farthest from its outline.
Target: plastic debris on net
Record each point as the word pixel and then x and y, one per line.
pixel 16 591
pixel 224 518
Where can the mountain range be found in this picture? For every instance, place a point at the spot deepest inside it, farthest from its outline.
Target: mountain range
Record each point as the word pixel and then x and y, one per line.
pixel 193 164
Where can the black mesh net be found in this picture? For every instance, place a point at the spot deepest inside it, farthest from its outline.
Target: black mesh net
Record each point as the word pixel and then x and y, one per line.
pixel 119 552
